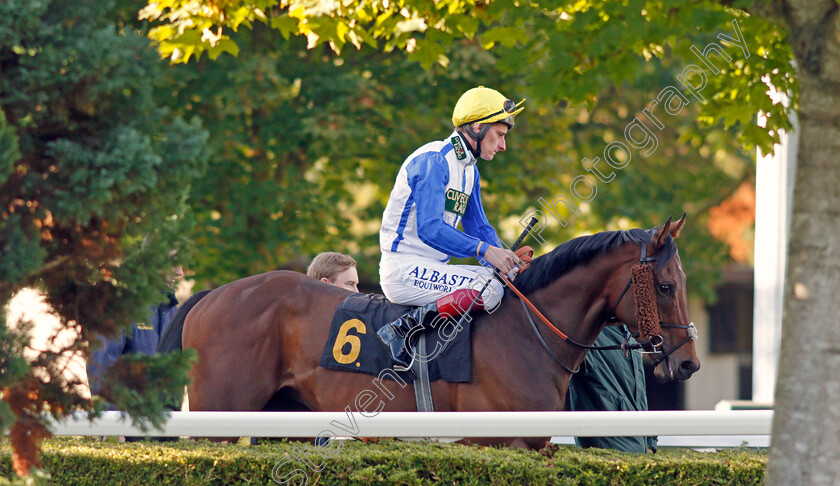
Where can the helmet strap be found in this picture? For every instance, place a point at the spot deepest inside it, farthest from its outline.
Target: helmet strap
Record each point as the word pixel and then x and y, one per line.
pixel 477 137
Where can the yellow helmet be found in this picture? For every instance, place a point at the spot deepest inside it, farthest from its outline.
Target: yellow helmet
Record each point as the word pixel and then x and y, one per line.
pixel 485 105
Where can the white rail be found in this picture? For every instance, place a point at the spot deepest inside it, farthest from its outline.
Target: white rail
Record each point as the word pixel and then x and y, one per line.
pixel 702 424
pixel 699 442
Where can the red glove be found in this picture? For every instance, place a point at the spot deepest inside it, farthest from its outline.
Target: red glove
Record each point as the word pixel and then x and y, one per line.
pixel 526 254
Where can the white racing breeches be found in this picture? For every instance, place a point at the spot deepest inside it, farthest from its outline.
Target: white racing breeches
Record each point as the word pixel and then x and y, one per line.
pixel 414 280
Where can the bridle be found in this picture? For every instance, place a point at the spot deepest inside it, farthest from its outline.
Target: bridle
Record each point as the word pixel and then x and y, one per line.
pixel 653 345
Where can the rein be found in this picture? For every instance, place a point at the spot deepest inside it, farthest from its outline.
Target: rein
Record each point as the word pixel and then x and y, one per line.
pixel 653 345
pixel 526 304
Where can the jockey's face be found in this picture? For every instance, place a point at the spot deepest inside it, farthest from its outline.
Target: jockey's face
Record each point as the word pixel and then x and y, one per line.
pixel 348 279
pixel 494 141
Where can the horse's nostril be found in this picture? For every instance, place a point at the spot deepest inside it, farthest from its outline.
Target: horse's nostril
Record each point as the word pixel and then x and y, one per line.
pixel 689 365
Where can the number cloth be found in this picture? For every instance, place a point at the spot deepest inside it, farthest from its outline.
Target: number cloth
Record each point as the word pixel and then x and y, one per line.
pixel 352 344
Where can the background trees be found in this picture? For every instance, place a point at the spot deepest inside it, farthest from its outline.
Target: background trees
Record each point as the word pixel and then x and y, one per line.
pixel 567 49
pixel 90 163
pixel 305 145
pixel 292 146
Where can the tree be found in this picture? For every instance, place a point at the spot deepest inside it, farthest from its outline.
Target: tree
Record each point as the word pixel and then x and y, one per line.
pixel 90 164
pixel 806 431
pixel 568 50
pixel 305 145
pixel 296 137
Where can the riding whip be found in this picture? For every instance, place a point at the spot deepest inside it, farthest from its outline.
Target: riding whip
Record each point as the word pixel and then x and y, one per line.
pixel 516 244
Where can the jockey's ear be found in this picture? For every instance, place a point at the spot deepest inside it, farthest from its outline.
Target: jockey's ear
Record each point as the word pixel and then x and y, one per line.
pixel 325 280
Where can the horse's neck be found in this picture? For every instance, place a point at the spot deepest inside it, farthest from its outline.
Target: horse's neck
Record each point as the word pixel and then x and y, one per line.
pixel 510 369
pixel 574 304
pixel 577 305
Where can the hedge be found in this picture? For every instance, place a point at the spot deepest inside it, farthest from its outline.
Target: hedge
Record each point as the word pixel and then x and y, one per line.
pixel 91 461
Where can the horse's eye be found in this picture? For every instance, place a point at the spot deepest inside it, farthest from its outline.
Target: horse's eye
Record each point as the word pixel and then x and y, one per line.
pixel 666 289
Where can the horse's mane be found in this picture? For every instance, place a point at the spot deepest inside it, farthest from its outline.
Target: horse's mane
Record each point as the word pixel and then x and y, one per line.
pixel 581 250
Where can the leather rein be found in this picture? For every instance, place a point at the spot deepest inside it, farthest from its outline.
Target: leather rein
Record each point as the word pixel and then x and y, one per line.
pixel 649 346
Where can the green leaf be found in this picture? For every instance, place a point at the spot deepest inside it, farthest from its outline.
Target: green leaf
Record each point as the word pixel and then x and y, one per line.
pixel 241 15
pixel 428 53
pixel 507 36
pixel 285 24
pixel 224 45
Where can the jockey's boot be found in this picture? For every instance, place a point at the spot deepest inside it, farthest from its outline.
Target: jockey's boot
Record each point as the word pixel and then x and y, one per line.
pixel 451 306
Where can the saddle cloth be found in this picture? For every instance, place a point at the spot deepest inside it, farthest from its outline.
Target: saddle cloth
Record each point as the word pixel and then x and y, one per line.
pixel 353 345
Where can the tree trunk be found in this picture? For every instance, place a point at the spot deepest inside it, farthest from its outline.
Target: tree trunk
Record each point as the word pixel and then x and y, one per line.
pixel 806 428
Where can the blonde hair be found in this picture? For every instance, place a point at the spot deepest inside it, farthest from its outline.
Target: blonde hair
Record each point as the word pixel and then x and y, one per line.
pixel 329 264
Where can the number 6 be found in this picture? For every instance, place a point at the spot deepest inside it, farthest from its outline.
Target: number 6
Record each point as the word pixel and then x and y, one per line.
pixel 344 338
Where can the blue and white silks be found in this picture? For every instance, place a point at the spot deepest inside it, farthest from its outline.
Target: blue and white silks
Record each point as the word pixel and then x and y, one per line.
pixel 437 187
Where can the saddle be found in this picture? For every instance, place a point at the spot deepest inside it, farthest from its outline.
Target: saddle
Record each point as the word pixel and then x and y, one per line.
pixel 353 346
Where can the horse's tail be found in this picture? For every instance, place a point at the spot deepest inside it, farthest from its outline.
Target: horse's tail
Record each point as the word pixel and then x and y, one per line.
pixel 171 338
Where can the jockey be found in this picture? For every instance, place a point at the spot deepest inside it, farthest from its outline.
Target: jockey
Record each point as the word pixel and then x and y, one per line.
pixel 437 188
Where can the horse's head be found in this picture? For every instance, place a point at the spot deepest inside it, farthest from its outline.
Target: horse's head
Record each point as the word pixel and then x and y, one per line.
pixel 657 306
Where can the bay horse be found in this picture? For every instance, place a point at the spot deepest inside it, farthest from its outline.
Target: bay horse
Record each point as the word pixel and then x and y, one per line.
pixel 259 339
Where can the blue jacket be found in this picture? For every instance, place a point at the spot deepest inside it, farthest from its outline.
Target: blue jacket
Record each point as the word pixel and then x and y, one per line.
pixel 144 339
pixel 437 187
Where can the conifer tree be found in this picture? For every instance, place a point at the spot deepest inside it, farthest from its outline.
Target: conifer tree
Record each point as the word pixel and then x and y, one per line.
pixel 90 164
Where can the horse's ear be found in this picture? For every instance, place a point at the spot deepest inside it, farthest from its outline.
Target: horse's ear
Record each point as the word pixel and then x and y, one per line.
pixel 675 229
pixel 659 236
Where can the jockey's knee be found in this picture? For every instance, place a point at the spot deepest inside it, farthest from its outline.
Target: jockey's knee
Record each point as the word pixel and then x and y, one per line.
pixel 492 295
